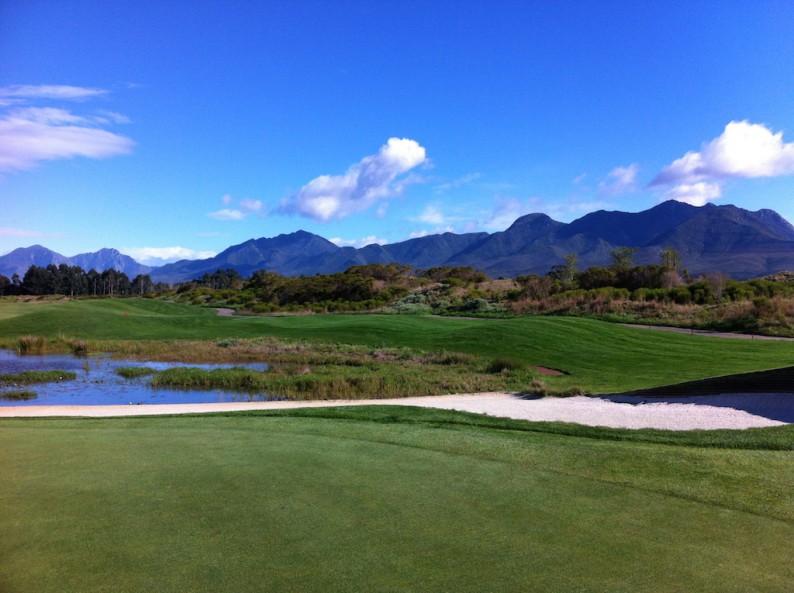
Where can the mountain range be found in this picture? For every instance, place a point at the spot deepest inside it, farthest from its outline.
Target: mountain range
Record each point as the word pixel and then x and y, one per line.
pixel 740 243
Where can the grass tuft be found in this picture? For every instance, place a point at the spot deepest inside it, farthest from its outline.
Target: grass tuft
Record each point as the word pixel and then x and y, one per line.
pixel 79 347
pixel 31 344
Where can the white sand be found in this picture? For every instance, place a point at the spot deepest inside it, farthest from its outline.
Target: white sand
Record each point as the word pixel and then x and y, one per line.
pixel 699 412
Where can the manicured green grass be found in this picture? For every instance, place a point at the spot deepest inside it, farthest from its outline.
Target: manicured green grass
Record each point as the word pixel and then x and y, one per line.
pixel 597 356
pixel 380 499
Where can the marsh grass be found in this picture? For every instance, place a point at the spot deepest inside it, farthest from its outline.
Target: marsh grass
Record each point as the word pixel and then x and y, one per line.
pixel 133 372
pixel 324 370
pixel 31 344
pixel 79 347
pixel 18 395
pixel 345 376
pixel 52 376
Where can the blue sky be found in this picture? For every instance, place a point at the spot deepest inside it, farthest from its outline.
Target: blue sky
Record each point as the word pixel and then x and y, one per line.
pixel 175 129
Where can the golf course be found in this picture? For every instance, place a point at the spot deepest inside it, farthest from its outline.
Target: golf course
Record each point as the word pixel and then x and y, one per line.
pixel 385 498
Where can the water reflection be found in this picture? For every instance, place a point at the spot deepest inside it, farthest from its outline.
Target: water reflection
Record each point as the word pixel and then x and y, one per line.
pixel 98 384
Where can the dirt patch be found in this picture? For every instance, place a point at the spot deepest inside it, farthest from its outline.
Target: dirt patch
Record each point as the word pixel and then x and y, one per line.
pixel 547 371
pixel 224 312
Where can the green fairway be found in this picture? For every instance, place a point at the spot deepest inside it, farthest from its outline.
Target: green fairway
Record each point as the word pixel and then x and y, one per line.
pixel 596 356
pixel 385 500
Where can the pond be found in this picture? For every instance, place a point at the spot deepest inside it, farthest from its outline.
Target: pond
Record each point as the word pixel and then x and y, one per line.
pixel 97 383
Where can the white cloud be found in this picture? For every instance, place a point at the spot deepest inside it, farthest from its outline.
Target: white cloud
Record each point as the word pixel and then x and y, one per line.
pixel 22 233
pixel 249 205
pixel 743 150
pixel 437 231
pixel 373 178
pixel 244 207
pixel 111 117
pixel 696 194
pixel 432 215
pixel 505 213
pixel 155 256
pixel 30 135
pixel 579 179
pixel 619 180
pixel 227 214
pixel 455 183
pixel 50 91
pixel 363 242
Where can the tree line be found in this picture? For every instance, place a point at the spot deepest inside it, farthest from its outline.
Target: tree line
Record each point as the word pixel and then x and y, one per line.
pixel 73 281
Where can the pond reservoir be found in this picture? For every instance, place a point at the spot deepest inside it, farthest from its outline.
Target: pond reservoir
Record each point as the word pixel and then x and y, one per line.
pixel 97 382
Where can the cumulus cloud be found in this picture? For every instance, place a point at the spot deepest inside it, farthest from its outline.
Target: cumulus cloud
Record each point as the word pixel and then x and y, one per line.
pixel 156 256
pixel 619 180
pixel 363 242
pixel 244 207
pixel 32 134
pixel 743 150
pixel 696 194
pixel 373 178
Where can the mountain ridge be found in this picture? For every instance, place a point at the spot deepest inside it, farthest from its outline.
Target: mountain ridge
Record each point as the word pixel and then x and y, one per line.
pixel 711 238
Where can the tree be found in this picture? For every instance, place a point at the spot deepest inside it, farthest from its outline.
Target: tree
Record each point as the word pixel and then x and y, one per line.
pixel 566 273
pixel 595 277
pixel 622 259
pixel 670 264
pixel 142 284
pixel 670 259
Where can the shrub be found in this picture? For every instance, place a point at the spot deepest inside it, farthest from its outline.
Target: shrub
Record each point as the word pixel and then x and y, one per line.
pixel 500 365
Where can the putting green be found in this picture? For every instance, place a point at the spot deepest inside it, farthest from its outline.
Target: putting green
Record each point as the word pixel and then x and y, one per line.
pixel 280 503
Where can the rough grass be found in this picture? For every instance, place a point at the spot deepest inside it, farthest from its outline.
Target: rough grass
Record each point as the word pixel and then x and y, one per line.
pixel 387 500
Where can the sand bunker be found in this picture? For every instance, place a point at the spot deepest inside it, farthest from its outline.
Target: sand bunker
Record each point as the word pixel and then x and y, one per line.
pixel 737 411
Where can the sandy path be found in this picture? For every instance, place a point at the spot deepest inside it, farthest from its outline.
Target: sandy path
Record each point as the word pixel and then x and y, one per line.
pixel 707 332
pixel 699 412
